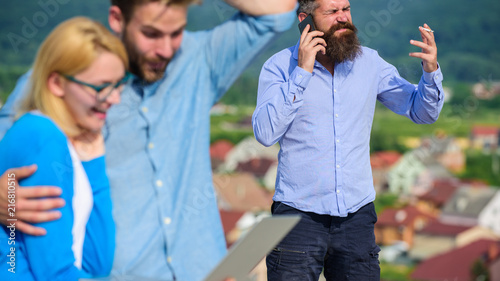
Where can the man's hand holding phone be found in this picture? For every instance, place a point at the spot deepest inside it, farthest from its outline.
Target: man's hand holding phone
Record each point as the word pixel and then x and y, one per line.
pixel 310 45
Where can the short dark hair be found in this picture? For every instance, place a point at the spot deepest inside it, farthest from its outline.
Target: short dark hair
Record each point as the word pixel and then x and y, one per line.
pixel 127 6
pixel 307 6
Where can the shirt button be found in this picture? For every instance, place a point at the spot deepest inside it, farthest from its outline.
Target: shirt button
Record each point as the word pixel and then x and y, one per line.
pixel 336 115
pixel 169 259
pixel 145 109
pixel 338 191
pixel 167 221
pixel 334 90
pixel 338 141
pixel 300 76
pixel 151 145
pixel 338 166
pixel 159 183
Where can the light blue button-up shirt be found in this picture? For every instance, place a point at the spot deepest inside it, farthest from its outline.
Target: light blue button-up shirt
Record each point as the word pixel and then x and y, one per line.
pixel 157 153
pixel 323 125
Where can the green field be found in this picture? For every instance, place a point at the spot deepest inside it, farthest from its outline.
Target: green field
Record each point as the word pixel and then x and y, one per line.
pixel 452 121
pixel 391 272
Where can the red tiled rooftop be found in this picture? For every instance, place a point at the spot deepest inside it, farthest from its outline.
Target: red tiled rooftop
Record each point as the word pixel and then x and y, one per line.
pixel 485 130
pixel 440 192
pixel 220 148
pixel 256 166
pixel 241 192
pixel 229 219
pixel 396 217
pixel 453 265
pixel 384 159
pixel 436 227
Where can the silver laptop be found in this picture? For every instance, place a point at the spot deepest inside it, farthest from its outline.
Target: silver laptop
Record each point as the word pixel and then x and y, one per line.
pixel 249 250
pixel 244 255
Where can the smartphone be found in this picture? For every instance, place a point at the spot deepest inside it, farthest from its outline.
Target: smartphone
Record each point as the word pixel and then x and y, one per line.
pixel 305 22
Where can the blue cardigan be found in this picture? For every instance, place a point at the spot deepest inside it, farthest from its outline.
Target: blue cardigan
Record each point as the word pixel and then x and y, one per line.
pixel 35 139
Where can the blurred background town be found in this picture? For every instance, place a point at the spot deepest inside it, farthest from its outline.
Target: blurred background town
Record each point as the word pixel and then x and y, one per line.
pixel 438 186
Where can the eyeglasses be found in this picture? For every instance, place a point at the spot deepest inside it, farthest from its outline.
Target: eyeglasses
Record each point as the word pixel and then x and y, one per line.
pixel 103 91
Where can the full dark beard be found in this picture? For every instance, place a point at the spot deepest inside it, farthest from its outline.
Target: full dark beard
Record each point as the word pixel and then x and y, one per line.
pixel 346 47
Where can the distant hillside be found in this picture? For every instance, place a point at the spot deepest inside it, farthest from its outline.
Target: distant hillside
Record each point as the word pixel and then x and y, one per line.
pixel 467 33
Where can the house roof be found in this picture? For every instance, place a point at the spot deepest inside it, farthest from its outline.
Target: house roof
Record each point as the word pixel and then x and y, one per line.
pixel 454 264
pixel 485 130
pixel 437 170
pixel 438 228
pixel 430 151
pixel 441 192
pixel 241 192
pixel 468 201
pixel 384 159
pixel 256 166
pixel 229 219
pixel 219 149
pixel 436 145
pixel 397 217
pixel 247 149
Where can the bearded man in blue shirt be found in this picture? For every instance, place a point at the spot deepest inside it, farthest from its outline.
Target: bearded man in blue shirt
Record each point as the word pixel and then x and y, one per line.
pixel 157 140
pixel 317 99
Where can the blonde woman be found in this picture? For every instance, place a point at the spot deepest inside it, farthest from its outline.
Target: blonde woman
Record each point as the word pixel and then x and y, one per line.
pixel 77 76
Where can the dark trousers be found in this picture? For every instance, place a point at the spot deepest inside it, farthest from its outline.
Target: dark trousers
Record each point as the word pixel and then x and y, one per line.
pixel 344 247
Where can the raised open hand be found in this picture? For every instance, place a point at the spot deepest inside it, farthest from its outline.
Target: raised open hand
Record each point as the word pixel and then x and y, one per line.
pixel 429 49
